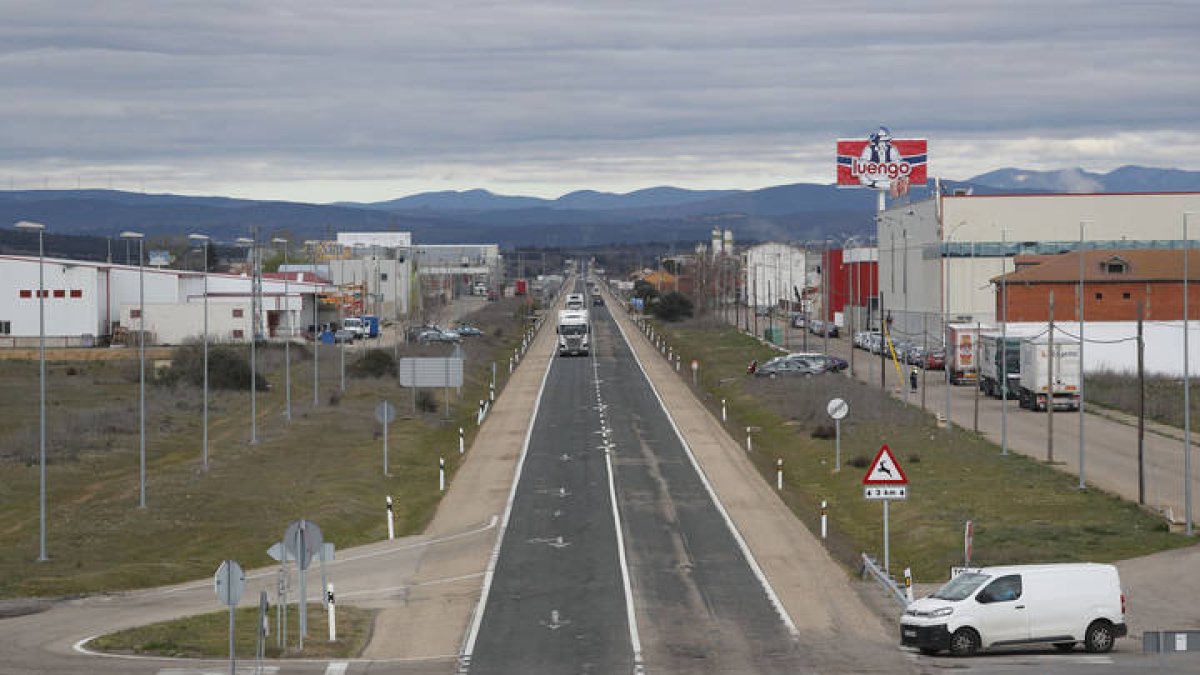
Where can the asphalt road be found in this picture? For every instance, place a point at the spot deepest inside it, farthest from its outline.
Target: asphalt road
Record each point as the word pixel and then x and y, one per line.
pixel 558 601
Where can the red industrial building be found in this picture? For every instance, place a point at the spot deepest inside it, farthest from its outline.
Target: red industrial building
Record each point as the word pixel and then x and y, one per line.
pixel 853 282
pixel 1114 282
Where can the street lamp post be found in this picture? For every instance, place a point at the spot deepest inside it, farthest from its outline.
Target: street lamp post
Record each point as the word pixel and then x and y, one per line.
pixel 253 245
pixel 1187 385
pixel 204 451
pixel 287 357
pixel 316 329
pixel 128 235
pixel 41 229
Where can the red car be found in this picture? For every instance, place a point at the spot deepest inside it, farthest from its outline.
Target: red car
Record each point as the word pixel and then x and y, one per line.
pixel 935 360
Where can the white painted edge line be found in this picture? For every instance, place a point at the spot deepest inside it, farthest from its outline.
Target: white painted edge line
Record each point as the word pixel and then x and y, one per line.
pixel 468 647
pixel 772 597
pixel 337 668
pixel 81 647
pixel 635 639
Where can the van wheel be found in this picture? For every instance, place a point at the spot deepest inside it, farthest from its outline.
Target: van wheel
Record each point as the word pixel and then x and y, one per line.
pixel 1099 637
pixel 965 642
pixel 1064 646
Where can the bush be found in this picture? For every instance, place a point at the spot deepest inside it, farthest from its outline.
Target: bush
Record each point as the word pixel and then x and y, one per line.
pixel 426 401
pixel 824 431
pixel 228 367
pixel 673 306
pixel 859 462
pixel 374 363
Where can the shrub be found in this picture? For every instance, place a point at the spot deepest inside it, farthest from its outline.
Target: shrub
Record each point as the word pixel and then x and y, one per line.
pixel 374 363
pixel 859 462
pixel 824 431
pixel 426 401
pixel 673 306
pixel 228 367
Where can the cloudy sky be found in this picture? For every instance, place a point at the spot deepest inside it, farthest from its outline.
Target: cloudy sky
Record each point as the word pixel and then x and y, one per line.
pixel 368 100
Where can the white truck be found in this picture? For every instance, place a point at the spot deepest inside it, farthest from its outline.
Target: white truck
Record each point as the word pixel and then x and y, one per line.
pixel 962 340
pixel 574 333
pixel 575 301
pixel 1036 360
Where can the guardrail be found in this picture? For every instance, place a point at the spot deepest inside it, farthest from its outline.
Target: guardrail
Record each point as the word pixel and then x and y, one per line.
pixel 872 569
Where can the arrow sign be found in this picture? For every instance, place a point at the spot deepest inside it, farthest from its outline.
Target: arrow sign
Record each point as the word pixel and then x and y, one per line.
pixel 885 470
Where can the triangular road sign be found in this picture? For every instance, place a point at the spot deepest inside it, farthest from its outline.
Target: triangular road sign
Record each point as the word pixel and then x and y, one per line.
pixel 885 470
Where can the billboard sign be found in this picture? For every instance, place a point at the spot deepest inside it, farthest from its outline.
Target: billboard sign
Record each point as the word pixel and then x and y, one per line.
pixel 882 163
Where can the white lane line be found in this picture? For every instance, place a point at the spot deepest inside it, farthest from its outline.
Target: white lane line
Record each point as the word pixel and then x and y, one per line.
pixel 336 668
pixel 635 640
pixel 468 647
pixel 737 536
pixel 247 670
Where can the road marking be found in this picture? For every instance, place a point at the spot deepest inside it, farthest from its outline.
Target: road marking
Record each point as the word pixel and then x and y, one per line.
pixel 772 597
pixel 635 639
pixel 247 670
pixel 468 647
pixel 337 668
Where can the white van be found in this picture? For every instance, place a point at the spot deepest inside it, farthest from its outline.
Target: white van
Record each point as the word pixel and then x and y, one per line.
pixel 1021 604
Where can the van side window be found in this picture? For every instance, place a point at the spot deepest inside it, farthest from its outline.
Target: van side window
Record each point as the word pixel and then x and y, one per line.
pixel 1004 589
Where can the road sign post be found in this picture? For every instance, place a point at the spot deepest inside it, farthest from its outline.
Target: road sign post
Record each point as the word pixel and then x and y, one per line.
pixel 885 480
pixel 837 409
pixel 229 583
pixel 385 413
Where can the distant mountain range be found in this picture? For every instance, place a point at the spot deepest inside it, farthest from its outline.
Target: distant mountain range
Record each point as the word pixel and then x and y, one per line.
pixel 584 218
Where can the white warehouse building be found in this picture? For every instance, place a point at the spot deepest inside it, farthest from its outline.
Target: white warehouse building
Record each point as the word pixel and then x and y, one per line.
pixel 87 303
pixel 773 270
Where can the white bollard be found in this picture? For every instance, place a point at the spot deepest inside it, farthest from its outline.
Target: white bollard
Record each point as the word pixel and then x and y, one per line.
pixel 492 392
pixel 677 364
pixel 724 417
pixel 908 591
pixel 441 474
pixel 824 519
pixel 391 518
pixel 749 445
pixel 510 365
pixel 461 441
pixel 332 615
pixel 482 413
pixel 779 474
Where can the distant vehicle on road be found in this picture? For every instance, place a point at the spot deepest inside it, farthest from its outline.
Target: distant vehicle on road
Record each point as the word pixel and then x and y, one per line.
pixel 355 325
pixel 1036 361
pixel 820 326
pixel 783 366
pixel 993 361
pixel 962 340
pixel 574 332
pixel 575 301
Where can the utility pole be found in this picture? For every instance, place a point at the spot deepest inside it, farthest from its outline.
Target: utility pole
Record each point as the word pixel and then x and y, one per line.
pixel 1050 387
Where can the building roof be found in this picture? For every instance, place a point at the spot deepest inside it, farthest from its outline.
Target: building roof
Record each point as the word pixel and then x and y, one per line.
pixel 1104 266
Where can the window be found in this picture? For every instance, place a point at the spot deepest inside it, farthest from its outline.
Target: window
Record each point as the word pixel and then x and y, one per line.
pixel 237 313
pixel 135 313
pixel 238 333
pixel 1116 266
pixel 25 293
pixel 5 327
pixel 60 293
pixel 1125 296
pixel 1004 589
pixel 76 293
pixel 1099 296
pixel 383 276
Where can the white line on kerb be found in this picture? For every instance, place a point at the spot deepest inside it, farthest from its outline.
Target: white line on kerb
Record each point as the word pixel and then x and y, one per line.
pixel 772 597
pixel 337 668
pixel 635 640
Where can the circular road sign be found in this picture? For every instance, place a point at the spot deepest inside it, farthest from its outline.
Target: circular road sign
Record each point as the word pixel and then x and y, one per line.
pixel 385 412
pixel 837 408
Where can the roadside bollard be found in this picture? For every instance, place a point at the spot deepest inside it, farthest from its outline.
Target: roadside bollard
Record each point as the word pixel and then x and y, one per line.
pixel 749 444
pixel 332 614
pixel 492 392
pixel 678 361
pixel 779 474
pixel 391 519
pixel 908 591
pixel 461 441
pixel 441 474
pixel 824 519
pixel 724 417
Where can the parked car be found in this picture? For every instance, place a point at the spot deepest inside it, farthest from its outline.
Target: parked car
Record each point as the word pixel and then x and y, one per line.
pixel 935 359
pixel 799 321
pixel 819 326
pixel 344 335
pixel 825 361
pixel 467 330
pixel 788 365
pixel 435 334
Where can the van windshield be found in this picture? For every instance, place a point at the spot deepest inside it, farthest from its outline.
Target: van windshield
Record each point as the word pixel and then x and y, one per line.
pixel 961 586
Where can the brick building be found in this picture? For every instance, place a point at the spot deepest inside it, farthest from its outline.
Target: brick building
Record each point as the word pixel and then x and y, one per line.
pixel 1114 282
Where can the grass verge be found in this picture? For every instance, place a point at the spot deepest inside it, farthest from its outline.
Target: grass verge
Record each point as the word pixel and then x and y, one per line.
pixel 206 636
pixel 1023 510
pixel 326 465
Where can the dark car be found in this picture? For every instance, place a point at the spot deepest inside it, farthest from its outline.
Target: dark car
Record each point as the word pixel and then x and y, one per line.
pixel 785 366
pixel 467 330
pixel 819 326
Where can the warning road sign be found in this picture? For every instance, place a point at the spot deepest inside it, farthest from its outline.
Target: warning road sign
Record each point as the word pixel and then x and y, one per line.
pixel 885 470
